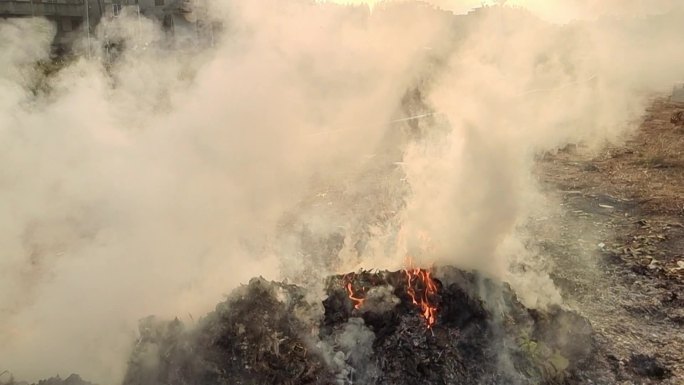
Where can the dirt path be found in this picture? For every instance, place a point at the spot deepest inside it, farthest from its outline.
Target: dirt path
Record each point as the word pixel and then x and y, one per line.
pixel 618 243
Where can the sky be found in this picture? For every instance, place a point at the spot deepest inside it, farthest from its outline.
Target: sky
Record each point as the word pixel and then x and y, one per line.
pixel 558 11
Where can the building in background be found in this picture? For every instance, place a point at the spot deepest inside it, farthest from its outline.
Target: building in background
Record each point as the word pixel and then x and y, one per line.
pixel 186 21
pixel 70 16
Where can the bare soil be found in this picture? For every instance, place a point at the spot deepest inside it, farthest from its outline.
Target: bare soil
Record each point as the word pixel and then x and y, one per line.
pixel 617 243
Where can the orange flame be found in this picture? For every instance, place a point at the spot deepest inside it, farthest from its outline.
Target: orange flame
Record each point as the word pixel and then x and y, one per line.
pixel 358 301
pixel 420 286
pixel 422 295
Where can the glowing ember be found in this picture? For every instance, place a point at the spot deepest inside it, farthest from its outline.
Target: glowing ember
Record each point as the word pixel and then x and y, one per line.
pixel 358 301
pixel 422 289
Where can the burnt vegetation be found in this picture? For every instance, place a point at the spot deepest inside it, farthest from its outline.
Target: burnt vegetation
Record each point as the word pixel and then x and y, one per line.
pixel 268 332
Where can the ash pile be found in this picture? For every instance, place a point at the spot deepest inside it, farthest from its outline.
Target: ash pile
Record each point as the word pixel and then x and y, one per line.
pixel 405 327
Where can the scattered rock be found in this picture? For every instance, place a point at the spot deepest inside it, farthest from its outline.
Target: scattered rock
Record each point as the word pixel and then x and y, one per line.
pixel 591 167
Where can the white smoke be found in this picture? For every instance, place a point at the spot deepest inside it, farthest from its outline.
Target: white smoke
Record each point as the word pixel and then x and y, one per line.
pixel 153 184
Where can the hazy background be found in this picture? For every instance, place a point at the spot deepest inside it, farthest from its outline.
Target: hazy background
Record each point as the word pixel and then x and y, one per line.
pixel 156 184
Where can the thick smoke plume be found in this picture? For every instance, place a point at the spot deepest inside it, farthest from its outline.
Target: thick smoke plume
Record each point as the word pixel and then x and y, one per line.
pixel 310 138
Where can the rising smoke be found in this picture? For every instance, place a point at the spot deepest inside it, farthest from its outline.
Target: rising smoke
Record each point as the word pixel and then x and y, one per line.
pixel 290 149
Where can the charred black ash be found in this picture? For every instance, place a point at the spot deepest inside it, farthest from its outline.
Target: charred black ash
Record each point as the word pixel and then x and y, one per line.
pixel 469 344
pixel 267 333
pixel 648 366
pixel 255 337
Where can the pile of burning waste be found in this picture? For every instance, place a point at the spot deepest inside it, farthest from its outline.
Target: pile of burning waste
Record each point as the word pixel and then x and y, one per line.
pixel 412 326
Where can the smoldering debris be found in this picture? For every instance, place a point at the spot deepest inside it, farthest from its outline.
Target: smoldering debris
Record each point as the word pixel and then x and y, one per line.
pixel 255 337
pixel 648 366
pixel 267 333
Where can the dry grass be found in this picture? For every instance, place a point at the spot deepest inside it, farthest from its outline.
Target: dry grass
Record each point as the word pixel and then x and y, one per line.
pixel 642 233
pixel 647 169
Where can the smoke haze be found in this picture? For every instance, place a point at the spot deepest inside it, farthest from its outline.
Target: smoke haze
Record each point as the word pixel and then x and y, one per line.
pixel 311 138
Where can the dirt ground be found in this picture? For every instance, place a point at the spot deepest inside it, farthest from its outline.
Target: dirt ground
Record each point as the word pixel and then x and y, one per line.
pixel 617 245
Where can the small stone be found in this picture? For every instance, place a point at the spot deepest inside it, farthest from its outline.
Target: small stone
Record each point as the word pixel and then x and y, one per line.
pixel 646 261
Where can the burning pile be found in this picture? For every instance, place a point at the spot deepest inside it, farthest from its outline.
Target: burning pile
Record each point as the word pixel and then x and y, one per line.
pixel 423 297
pixel 420 287
pixel 407 327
